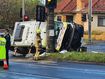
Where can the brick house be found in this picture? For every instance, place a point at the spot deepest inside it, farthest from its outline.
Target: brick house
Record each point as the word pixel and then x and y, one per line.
pixel 66 11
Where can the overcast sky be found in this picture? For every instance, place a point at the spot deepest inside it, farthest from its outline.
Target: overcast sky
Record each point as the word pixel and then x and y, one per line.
pixel 43 1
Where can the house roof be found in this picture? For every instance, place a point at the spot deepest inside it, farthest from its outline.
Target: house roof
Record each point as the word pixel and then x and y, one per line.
pixel 99 6
pixel 61 5
pixel 69 6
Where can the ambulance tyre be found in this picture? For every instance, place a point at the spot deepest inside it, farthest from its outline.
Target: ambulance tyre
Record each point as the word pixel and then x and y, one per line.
pixel 24 55
pixel 22 50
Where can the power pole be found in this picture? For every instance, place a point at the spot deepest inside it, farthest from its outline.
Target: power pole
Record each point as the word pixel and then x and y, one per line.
pixel 50 31
pixel 51 5
pixel 89 20
pixel 23 9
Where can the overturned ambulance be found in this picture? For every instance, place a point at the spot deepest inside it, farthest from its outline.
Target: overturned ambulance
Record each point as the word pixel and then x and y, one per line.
pixel 68 35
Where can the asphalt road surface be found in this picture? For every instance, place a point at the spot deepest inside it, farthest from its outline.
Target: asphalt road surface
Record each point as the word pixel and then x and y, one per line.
pixel 96 47
pixel 52 70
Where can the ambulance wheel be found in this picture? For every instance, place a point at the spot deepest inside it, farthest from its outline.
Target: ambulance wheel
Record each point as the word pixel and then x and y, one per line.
pixel 24 55
pixel 22 50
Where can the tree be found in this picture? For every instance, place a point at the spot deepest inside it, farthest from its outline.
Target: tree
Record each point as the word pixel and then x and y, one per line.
pixel 10 11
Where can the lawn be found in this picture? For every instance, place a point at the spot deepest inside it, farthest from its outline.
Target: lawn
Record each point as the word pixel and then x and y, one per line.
pixel 78 56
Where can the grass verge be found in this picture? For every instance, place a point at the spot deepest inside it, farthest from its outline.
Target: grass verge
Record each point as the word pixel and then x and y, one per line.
pixel 77 56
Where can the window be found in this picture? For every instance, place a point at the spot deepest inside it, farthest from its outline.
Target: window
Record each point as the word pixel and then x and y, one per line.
pixel 101 21
pixel 59 18
pixel 69 18
pixel 19 33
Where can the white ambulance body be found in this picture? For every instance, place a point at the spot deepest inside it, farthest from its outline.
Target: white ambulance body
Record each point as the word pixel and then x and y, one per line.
pixel 25 32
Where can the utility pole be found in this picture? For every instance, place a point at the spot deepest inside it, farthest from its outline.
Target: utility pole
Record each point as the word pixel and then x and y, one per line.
pixel 51 5
pixel 23 9
pixel 50 31
pixel 89 21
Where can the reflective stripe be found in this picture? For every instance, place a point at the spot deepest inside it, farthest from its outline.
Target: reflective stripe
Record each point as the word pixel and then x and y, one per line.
pixel 2 43
pixel 38 30
pixel 44 42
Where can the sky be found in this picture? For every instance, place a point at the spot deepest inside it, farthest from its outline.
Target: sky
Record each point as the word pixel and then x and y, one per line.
pixel 43 1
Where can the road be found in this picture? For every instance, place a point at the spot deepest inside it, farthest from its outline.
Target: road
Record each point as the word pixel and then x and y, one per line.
pixel 96 47
pixel 52 70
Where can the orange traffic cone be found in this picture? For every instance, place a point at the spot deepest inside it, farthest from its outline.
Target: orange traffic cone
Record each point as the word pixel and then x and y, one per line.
pixel 5 66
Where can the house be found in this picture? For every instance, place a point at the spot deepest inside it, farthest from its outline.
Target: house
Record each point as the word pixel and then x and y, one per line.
pixel 66 11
